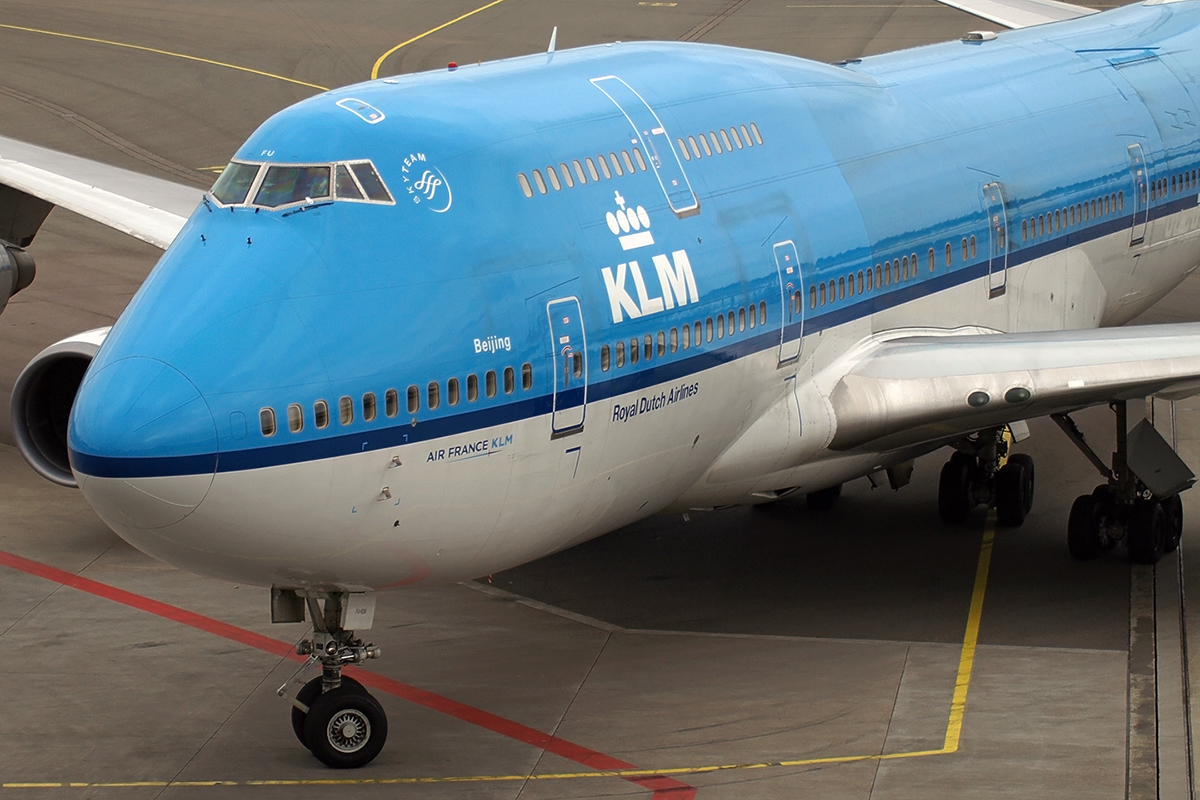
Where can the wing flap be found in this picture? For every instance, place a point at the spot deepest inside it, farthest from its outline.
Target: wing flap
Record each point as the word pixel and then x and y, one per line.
pixel 1020 13
pixel 926 388
pixel 147 208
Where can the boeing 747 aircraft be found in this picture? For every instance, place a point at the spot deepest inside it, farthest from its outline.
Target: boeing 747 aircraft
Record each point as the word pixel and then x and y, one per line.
pixel 430 327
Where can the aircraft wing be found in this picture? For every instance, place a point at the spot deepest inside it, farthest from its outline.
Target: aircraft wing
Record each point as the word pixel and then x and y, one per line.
pixel 150 209
pixel 1020 13
pixel 922 388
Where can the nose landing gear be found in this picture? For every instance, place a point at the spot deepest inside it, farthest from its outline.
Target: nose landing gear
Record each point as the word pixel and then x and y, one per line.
pixel 334 716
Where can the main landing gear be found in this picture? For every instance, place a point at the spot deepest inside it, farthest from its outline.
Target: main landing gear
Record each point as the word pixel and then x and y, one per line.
pixel 1147 519
pixel 982 472
pixel 332 715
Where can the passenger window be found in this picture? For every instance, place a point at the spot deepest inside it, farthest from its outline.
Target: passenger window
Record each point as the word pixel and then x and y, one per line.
pixel 616 165
pixel 433 394
pixel 732 316
pixel 687 336
pixel 472 388
pixel 949 254
pixel 510 376
pixel 757 135
pixel 697 338
pixel 321 414
pixel 849 290
pixel 371 183
pixel 566 176
pixel 746 136
pixel 391 403
pixel 887 273
pixel 762 313
pixel 965 256
pixel 628 161
pixel 841 288
pixel 526 189
pixel 683 149
pixel 704 144
pixel 489 383
pixel 647 347
pixel 295 418
pixel 720 326
pixel 674 340
pixel 1024 230
pixel 605 358
pixel 695 149
pixel 635 350
pixel 552 175
pixel 541 183
pixel 620 354
pixel 860 281
pixel 369 407
pixel 753 317
pixel 932 259
pixel 266 421
pixel 641 162
pixel 736 139
pixel 716 145
pixel 822 292
pixel 1121 201
pixel 878 277
pixel 725 140
pixel 604 167
pixel 972 246
pixel 414 400
pixel 1057 219
pixel 662 344
pixel 345 410
pixel 592 169
pixel 234 183
pixel 452 391
pixel 284 185
pixel 906 268
pixel 579 172
pixel 345 187
pixel 708 330
pixel 742 317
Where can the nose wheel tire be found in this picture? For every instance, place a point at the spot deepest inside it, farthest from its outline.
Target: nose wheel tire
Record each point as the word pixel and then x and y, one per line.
pixel 345 728
pixel 309 694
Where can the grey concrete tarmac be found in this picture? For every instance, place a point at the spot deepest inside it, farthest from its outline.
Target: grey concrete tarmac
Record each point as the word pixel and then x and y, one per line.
pixel 736 638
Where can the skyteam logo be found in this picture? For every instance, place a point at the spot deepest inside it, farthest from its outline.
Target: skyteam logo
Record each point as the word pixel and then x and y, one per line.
pixel 426 184
pixel 676 282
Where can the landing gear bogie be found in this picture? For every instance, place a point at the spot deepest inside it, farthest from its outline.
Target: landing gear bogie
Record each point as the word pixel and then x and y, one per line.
pixel 981 472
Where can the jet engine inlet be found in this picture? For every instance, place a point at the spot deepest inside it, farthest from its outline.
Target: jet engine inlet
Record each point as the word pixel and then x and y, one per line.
pixel 42 399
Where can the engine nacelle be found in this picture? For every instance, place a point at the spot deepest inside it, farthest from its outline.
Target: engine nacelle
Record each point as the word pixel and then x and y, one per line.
pixel 17 271
pixel 42 399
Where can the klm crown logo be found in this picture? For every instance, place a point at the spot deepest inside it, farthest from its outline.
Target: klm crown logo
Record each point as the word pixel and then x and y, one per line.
pixel 630 225
pixel 676 281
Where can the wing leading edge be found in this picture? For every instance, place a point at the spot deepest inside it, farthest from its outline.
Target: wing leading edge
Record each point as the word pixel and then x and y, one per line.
pixel 924 388
pixel 147 208
pixel 1020 13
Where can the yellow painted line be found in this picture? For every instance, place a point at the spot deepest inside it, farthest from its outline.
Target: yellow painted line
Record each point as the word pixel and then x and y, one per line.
pixel 379 61
pixel 184 56
pixel 958 705
pixel 966 660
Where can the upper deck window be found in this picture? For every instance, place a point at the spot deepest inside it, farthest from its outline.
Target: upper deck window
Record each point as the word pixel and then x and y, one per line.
pixel 280 185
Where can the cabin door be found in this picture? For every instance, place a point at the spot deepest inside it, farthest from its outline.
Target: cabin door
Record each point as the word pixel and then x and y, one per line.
pixel 655 142
pixel 569 356
pixel 1141 184
pixel 997 212
pixel 791 293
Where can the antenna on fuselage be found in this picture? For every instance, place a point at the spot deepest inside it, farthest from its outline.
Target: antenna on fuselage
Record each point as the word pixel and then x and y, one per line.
pixel 553 40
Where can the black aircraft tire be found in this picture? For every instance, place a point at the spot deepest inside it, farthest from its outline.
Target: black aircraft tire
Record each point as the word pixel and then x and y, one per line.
pixel 1083 528
pixel 1027 462
pixel 1012 494
pixel 310 692
pixel 345 728
pixel 1147 532
pixel 1173 506
pixel 954 491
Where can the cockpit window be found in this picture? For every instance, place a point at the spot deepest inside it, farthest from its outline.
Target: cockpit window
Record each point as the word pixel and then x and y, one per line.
pixel 370 182
pixel 235 182
pixel 347 189
pixel 285 185
pixel 281 185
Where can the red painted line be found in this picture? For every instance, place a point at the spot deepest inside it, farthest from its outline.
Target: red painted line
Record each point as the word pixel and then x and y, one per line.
pixel 663 788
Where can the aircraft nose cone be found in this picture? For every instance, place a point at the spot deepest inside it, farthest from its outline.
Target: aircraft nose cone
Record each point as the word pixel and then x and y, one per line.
pixel 143 443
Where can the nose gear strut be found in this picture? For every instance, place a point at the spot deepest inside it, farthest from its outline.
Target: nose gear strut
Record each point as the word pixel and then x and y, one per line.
pixel 332 715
